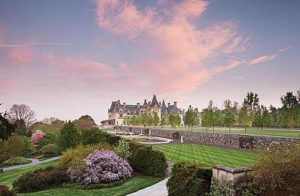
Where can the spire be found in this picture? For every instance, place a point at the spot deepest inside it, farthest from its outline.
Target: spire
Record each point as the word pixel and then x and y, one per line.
pixel 145 102
pixel 154 101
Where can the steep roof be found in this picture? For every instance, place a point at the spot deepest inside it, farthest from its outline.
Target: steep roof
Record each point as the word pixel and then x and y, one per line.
pixel 154 101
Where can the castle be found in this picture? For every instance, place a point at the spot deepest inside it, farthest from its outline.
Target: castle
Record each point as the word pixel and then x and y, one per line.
pixel 117 111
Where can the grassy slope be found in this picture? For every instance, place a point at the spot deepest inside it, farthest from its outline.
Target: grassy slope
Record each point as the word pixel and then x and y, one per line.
pixel 207 154
pixel 9 177
pixel 133 185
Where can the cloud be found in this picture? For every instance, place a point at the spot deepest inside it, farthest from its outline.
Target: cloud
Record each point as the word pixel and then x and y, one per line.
pixel 2 45
pixel 178 46
pixel 266 58
pixel 21 56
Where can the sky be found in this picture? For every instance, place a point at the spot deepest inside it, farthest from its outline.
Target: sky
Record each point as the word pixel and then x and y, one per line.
pixel 70 58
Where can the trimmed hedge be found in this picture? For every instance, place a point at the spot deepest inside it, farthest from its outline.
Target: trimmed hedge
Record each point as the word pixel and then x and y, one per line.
pixel 95 136
pixel 189 179
pixel 41 179
pixel 149 162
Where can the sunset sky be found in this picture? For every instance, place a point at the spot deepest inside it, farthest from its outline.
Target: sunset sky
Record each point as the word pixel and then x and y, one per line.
pixel 69 58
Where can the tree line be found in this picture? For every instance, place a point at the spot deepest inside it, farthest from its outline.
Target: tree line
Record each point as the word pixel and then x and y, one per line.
pixel 252 114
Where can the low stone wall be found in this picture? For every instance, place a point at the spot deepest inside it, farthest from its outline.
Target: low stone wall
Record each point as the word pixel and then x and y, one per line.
pixel 235 180
pixel 229 140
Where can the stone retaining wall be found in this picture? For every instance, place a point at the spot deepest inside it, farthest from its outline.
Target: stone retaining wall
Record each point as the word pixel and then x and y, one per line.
pixel 230 140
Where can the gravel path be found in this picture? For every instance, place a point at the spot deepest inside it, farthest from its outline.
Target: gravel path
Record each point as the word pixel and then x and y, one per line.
pixel 34 162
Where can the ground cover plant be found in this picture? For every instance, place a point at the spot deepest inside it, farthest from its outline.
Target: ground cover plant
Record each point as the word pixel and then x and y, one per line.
pixel 207 154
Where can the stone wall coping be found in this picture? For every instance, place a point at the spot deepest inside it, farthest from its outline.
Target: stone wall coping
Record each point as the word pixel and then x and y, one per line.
pixel 233 170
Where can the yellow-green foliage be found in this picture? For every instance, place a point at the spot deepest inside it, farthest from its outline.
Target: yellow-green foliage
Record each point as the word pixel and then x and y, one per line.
pixel 74 157
pixel 277 171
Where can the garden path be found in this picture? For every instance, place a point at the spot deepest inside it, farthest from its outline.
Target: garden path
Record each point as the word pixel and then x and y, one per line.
pixel 34 162
pixel 158 189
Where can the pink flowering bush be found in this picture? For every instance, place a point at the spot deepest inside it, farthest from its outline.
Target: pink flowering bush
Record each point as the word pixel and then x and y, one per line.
pixel 36 137
pixel 102 166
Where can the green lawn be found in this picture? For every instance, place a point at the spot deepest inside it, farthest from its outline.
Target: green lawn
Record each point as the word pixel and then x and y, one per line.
pixel 249 131
pixel 134 184
pixel 207 154
pixel 9 177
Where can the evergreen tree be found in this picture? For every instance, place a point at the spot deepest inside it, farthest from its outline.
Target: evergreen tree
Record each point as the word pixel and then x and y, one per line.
pixel 69 136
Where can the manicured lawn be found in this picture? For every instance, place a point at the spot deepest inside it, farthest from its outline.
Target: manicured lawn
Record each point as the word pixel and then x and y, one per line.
pixel 249 131
pixel 134 184
pixel 207 154
pixel 9 177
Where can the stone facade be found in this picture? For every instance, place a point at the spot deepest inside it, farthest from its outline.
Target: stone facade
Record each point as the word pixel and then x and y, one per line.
pixel 118 111
pixel 227 140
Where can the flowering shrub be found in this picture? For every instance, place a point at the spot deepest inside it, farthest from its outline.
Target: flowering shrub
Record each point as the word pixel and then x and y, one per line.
pixel 102 166
pixel 123 149
pixel 36 137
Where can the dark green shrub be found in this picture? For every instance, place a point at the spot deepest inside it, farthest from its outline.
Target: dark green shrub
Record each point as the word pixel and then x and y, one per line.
pixel 69 136
pixel 189 179
pixel 149 162
pixel 28 150
pixel 93 136
pixel 50 138
pixel 134 146
pixel 112 139
pixel 41 179
pixel 51 150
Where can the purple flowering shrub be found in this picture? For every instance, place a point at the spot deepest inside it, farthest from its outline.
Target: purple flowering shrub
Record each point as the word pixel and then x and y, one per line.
pixel 102 166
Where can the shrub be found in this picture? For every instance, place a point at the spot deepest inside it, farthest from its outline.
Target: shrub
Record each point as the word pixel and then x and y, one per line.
pixel 16 161
pixel 277 172
pixel 93 136
pixel 123 149
pixel 41 179
pixel 28 150
pixel 36 137
pixel 75 156
pixel 4 191
pixel 50 138
pixel 112 139
pixel 149 162
pixel 103 166
pixel 194 179
pixel 14 146
pixel 51 150
pixel 69 136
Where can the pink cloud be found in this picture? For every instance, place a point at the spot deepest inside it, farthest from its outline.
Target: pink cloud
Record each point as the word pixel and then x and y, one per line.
pixel 180 47
pixel 21 56
pixel 262 59
pixel 126 17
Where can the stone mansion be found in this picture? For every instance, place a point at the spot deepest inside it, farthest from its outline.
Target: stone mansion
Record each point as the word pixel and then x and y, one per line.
pixel 118 111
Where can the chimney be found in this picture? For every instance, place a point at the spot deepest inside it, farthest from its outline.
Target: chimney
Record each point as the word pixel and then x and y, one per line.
pixel 169 104
pixel 138 105
pixel 149 102
pixel 119 102
pixel 124 103
pixel 175 103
